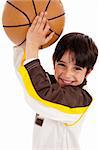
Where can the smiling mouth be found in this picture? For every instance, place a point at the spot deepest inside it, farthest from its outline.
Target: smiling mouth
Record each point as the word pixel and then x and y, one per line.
pixel 66 82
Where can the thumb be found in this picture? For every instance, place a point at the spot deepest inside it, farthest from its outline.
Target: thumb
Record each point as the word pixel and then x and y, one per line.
pixel 49 37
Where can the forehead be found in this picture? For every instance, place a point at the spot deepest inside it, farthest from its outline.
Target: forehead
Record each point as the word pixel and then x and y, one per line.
pixel 68 57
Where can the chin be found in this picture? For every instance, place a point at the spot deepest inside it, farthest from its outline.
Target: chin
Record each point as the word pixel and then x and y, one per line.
pixel 62 84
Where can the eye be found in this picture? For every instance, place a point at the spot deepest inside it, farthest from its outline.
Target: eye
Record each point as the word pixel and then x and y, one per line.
pixel 78 68
pixel 61 64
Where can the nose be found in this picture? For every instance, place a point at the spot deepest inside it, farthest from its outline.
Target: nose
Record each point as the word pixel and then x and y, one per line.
pixel 68 74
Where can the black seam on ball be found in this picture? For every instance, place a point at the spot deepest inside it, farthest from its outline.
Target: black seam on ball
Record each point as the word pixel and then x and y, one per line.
pixel 57 17
pixel 14 26
pixel 34 7
pixel 20 11
pixel 47 5
pixel 20 43
pixel 54 32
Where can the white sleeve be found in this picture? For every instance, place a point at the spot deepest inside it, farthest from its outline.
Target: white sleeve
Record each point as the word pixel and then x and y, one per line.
pixel 29 60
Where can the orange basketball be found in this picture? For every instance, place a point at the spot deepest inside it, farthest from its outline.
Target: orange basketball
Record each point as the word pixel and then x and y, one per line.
pixel 19 14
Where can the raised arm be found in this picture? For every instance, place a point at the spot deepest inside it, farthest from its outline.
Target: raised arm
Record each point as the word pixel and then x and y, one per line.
pixel 66 104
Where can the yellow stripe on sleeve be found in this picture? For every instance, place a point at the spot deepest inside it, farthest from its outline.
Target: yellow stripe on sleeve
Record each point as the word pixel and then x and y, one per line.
pixel 31 91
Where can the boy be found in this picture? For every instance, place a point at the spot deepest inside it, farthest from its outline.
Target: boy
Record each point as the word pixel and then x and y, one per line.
pixel 60 101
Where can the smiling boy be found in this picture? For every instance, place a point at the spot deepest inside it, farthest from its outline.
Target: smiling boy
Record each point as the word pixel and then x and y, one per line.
pixel 60 101
pixel 67 72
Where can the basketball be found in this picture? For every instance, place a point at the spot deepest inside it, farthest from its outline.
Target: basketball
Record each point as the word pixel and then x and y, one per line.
pixel 18 16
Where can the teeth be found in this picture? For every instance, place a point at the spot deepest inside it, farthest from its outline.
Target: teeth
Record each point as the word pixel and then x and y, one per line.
pixel 67 82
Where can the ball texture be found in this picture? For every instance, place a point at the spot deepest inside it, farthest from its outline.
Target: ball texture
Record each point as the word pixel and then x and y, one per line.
pixel 18 16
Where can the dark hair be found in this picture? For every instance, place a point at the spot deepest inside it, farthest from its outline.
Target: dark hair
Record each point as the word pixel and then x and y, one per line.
pixel 84 48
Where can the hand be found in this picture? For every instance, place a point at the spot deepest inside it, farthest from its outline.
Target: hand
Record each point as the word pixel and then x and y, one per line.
pixel 36 35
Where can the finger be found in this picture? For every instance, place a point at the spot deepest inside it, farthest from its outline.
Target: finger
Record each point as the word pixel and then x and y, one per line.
pixel 46 29
pixel 49 38
pixel 34 23
pixel 43 24
pixel 39 20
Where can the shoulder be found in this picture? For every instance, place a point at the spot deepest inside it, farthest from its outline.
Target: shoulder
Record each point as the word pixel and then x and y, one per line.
pixel 51 78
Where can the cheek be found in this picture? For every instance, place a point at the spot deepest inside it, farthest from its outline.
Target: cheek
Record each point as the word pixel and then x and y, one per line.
pixel 80 77
pixel 57 71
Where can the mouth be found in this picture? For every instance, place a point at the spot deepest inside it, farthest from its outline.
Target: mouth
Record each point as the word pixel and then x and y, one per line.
pixel 66 82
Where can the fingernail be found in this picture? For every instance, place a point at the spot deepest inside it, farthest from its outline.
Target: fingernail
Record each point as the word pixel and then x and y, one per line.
pixel 45 12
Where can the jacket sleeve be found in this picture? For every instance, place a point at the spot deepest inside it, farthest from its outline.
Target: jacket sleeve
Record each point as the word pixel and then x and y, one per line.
pixel 50 100
pixel 71 96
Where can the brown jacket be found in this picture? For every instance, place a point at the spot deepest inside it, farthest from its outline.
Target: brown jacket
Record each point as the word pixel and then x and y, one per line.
pixel 47 88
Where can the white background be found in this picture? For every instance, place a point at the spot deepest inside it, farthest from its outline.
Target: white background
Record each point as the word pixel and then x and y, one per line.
pixel 16 117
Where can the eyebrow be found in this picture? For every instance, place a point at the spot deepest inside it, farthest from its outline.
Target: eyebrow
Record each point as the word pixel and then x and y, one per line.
pixel 67 63
pixel 62 61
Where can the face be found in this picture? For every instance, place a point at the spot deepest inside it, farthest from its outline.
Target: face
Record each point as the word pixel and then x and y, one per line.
pixel 67 72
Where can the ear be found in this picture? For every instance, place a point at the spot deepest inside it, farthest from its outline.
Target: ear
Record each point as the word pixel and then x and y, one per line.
pixel 89 72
